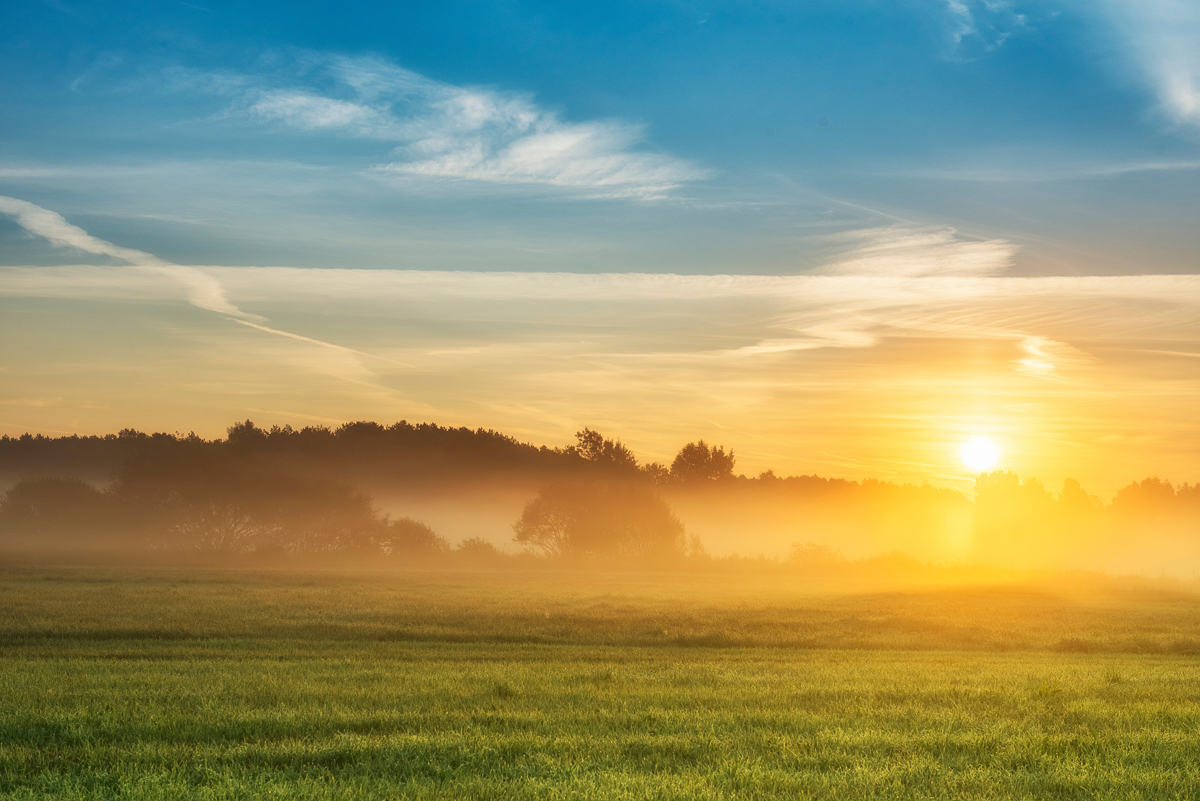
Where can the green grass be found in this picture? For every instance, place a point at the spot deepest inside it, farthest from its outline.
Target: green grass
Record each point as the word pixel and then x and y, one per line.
pixel 237 685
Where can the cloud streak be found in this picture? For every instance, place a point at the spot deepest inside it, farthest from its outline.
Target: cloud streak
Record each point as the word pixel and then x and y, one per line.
pixel 919 251
pixel 447 132
pixel 203 291
pixel 766 314
pixel 899 280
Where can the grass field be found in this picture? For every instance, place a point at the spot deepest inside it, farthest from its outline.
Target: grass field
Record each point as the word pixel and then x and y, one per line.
pixel 153 684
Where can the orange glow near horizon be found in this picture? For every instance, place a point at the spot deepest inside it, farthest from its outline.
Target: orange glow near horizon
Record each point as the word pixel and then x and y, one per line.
pixel 781 370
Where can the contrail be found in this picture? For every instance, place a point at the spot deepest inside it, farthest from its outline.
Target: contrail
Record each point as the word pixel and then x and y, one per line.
pixel 202 290
pixel 322 343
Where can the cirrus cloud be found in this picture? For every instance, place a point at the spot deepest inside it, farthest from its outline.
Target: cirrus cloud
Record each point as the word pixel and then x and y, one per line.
pixel 443 131
pixel 914 251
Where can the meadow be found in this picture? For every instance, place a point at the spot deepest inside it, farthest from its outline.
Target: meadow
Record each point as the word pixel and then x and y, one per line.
pixel 158 683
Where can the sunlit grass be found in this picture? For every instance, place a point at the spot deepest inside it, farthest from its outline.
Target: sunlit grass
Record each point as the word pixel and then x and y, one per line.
pixel 47 608
pixel 254 685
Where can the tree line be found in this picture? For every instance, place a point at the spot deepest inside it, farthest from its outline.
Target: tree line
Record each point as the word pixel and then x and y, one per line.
pixel 413 452
pixel 283 493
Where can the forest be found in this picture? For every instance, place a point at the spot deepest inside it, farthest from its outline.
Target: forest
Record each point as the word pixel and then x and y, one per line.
pixel 306 497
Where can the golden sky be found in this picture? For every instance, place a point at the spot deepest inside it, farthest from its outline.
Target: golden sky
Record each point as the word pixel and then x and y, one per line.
pixel 880 364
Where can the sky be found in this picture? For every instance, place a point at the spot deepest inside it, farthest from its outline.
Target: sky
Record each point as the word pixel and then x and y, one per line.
pixel 837 237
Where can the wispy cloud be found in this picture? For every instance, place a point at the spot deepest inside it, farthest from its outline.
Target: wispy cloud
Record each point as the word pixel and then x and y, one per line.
pixel 460 133
pixel 1163 36
pixel 54 227
pixel 978 27
pixel 707 314
pixel 900 280
pixel 915 251
pixel 1045 357
pixel 202 290
pixel 310 112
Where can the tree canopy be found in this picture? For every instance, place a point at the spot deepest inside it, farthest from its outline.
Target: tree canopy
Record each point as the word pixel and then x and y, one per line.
pixel 605 519
pixel 698 463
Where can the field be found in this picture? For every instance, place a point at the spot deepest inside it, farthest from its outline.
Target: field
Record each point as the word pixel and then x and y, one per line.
pixel 161 684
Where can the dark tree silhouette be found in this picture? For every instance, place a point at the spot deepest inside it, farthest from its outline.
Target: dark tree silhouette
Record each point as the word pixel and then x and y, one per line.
pixel 600 519
pixel 656 473
pixel 287 491
pixel 50 510
pixel 1148 497
pixel 408 538
pixel 229 502
pixel 1074 500
pixel 479 551
pixel 697 462
pixel 217 527
pixel 246 436
pixel 603 453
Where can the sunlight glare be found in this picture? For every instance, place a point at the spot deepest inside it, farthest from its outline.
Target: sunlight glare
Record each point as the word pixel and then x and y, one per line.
pixel 980 454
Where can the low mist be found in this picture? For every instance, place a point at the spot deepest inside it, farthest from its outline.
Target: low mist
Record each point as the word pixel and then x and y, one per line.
pixel 413 495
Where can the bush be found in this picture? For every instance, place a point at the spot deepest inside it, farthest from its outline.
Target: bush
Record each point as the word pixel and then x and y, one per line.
pixel 601 519
pixel 406 538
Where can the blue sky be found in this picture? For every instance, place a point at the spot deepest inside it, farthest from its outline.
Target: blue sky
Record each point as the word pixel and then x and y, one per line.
pixel 742 128
pixel 983 210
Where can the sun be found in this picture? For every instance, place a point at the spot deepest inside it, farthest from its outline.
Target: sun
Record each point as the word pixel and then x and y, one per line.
pixel 980 454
